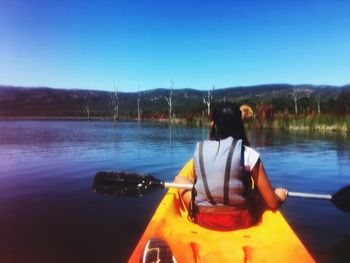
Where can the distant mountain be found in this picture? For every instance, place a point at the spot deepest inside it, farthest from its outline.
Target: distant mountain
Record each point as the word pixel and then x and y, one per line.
pixel 49 102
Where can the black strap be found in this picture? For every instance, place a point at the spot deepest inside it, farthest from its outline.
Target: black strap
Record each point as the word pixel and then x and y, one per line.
pixel 242 155
pixel 193 208
pixel 246 176
pixel 204 177
pixel 228 172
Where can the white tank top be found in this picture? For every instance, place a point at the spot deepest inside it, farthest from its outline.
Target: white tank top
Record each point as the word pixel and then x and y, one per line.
pixel 215 164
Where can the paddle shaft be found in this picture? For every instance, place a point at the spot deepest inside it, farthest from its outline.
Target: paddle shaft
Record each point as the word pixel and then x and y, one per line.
pixel 308 195
pixel 179 186
pixel 291 194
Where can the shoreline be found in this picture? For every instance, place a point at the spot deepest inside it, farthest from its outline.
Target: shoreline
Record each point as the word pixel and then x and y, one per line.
pixel 251 124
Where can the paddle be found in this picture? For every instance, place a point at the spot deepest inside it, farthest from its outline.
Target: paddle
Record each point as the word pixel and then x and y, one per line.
pixel 132 184
pixel 341 199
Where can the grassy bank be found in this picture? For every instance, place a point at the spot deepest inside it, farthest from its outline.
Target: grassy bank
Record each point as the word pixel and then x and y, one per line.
pixel 310 122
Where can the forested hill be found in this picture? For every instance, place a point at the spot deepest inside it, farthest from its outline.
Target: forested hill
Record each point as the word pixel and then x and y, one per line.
pixel 48 102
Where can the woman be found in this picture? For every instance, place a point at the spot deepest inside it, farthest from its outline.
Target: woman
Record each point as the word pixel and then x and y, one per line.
pixel 225 195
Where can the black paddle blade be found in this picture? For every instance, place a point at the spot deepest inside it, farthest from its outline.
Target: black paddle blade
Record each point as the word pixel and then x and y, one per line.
pixel 342 199
pixel 125 184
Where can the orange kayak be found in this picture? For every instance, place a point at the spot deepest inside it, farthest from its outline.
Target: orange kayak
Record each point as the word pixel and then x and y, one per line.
pixel 272 240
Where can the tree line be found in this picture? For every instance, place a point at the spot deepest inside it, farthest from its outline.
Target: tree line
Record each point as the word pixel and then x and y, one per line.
pixel 267 102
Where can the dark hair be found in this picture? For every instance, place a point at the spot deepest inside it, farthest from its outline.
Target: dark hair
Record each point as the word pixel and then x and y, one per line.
pixel 227 118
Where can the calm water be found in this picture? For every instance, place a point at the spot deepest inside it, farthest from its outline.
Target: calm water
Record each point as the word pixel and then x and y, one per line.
pixel 48 212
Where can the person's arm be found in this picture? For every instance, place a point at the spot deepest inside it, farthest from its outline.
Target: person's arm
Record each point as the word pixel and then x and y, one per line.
pixel 273 198
pixel 186 176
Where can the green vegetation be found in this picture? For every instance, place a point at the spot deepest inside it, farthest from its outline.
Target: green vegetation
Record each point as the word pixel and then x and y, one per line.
pixel 312 113
pixel 329 113
pixel 313 122
pixel 279 106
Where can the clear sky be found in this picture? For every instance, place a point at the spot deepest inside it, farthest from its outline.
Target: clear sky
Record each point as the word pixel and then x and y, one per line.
pixel 197 44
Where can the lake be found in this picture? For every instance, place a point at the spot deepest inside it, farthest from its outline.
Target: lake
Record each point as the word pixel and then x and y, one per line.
pixel 48 212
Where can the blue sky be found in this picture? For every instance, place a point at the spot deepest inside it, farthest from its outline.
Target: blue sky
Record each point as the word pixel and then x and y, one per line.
pixel 197 44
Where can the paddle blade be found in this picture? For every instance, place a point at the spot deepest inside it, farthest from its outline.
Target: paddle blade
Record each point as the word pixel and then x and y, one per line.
pixel 125 184
pixel 342 199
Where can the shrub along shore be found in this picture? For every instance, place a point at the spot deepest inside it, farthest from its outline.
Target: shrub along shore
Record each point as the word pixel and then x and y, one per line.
pixel 290 122
pixel 312 123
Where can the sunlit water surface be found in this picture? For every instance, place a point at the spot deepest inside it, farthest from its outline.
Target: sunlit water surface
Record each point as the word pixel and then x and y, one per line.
pixel 48 212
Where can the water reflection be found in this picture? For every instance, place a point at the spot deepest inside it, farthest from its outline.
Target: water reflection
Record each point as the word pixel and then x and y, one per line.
pixel 170 134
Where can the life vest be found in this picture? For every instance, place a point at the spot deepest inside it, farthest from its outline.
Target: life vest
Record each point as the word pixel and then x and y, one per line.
pixel 221 189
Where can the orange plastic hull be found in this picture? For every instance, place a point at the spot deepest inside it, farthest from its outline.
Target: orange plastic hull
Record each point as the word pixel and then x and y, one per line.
pixel 272 240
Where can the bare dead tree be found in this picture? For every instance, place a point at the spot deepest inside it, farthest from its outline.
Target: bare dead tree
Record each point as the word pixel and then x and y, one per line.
pixel 299 93
pixel 295 95
pixel 208 100
pixel 170 100
pixel 87 104
pixel 318 104
pixel 115 103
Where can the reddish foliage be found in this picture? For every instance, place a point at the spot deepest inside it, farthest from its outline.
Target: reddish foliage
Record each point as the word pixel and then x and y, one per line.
pixel 265 112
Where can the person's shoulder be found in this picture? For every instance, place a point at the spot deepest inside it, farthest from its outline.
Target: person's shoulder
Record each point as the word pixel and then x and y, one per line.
pixel 250 149
pixel 208 142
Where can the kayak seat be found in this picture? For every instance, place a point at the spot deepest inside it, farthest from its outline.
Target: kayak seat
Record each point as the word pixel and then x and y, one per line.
pixel 157 250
